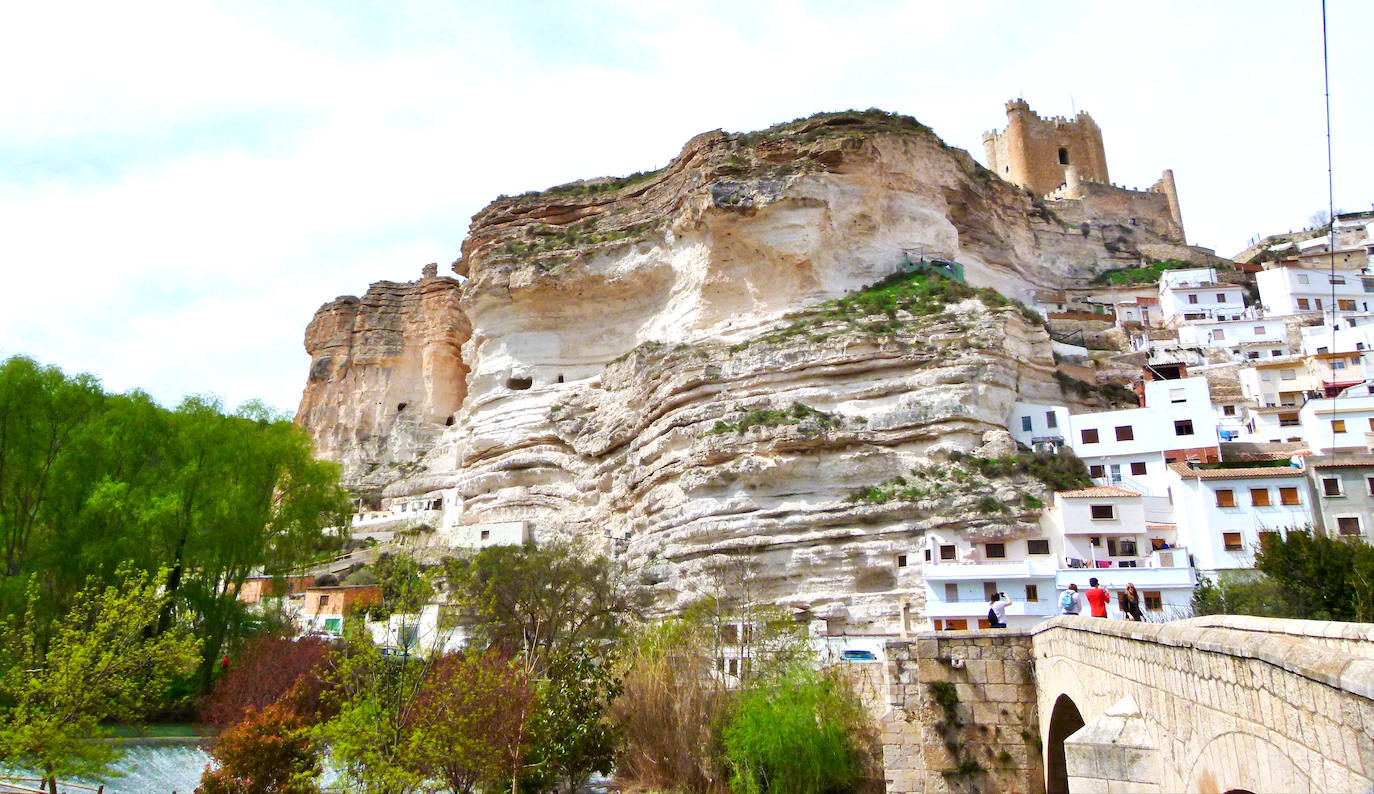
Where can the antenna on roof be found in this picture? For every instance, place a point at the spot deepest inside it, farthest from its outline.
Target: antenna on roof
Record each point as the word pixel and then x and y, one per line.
pixel 1072 106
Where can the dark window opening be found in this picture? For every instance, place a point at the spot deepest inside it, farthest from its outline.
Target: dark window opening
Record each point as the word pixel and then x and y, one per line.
pixel 901 560
pixel 486 534
pixel 1063 156
pixel 559 379
pixel 996 550
pixel 400 407
pixel 448 422
pixel 947 552
pixel 519 384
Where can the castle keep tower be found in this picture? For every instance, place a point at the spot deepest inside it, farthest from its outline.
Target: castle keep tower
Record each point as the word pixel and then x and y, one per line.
pixel 1038 153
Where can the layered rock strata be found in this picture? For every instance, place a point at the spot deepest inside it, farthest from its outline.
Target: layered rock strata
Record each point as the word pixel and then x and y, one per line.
pixel 666 366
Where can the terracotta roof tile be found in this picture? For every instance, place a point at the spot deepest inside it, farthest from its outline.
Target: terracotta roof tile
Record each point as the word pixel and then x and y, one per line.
pixel 1186 471
pixel 1097 491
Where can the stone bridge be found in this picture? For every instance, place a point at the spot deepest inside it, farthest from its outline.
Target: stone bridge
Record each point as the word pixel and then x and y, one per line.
pixel 1224 705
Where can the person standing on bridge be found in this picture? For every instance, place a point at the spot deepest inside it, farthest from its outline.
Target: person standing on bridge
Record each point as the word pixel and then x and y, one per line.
pixel 997 610
pixel 1071 603
pixel 1130 603
pixel 1098 598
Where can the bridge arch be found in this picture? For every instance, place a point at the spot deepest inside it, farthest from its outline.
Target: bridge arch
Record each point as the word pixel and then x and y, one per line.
pixel 1221 704
pixel 1065 718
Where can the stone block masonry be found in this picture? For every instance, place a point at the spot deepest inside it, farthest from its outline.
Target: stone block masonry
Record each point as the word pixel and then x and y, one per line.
pixel 963 714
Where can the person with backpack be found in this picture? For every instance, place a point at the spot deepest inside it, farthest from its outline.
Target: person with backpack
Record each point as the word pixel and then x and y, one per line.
pixel 1071 603
pixel 1098 598
pixel 997 610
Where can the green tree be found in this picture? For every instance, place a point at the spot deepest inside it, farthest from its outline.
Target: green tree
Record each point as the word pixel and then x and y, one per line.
pixel 1325 578
pixel 371 736
pixel 572 733
pixel 533 602
pixel 98 663
pixel 804 732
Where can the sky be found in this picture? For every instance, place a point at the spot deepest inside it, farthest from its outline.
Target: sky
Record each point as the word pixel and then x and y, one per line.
pixel 183 184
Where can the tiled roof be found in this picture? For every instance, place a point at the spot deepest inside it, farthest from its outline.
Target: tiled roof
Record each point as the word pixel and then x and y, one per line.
pixel 1186 471
pixel 1097 491
pixel 1352 460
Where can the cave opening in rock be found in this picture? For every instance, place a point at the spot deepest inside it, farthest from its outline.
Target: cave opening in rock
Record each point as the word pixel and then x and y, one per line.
pixel 519 384
pixel 448 422
pixel 400 407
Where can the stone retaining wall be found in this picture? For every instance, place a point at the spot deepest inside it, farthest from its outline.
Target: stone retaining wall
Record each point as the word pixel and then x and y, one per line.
pixel 987 740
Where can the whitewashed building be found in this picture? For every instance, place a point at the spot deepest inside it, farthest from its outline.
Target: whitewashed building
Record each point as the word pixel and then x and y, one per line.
pixel 1340 424
pixel 1246 338
pixel 1294 290
pixel 1197 294
pixel 1221 510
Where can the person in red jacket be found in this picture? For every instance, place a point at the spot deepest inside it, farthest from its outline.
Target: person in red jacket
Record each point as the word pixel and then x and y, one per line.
pixel 1098 598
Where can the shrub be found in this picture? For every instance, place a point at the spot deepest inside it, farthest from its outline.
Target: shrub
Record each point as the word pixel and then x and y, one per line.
pixel 267 668
pixel 271 751
pixel 805 733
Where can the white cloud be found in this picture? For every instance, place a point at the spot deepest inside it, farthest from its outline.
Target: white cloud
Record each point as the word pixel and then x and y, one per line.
pixel 255 162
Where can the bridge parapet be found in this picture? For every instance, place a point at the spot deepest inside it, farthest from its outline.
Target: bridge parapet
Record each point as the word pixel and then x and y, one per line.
pixel 1227 703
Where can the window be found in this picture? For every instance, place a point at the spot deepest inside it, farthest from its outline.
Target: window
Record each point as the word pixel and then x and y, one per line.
pixel 1302 304
pixel 486 534
pixel 1063 156
pixel 1232 542
pixel 1192 299
pixel 1025 424
pixel 1153 602
pixel 1259 497
pixel 1289 496
pixel 951 591
pixel 1043 546
pixel 947 552
pixel 927 555
pixel 1219 334
pixel 996 550
pixel 1089 435
pixel 1338 425
pixel 1338 363
pixel 989 590
pixel 1331 486
pixel 1125 433
pixel 1097 470
pixel 1348 525
pixel 1288 374
pixel 1095 540
pixel 1137 468
pixel 1229 410
pixel 1051 420
pixel 1252 354
pixel 1103 512
pixel 1345 305
pixel 1259 330
pixel 1183 427
pixel 1368 284
pixel 1303 279
pixel 333 625
pixel 1178 395
pixel 901 560
pixel 1226 497
pixel 1289 420
pixel 1338 279
pixel 1317 302
pixel 959 624
pixel 1371 425
pixel 1032 593
pixel 1221 297
pixel 1370 482
pixel 324 599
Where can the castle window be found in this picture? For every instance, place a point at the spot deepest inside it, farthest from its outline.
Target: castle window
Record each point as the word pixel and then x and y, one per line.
pixel 1063 156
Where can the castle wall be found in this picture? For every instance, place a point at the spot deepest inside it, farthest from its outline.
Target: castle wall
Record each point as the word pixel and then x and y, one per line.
pixel 1027 153
pixel 1100 205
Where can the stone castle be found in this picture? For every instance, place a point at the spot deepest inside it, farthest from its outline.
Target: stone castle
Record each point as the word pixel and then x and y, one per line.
pixel 1064 159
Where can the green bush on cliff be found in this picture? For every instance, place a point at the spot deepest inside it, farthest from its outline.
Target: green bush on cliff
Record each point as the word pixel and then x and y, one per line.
pixel 772 417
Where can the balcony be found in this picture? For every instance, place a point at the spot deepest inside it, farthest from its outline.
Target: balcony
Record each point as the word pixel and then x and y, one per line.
pixel 989 571
pixel 1143 578
pixel 979 609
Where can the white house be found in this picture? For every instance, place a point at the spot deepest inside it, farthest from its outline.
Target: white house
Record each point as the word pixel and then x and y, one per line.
pixel 1222 509
pixel 1281 382
pixel 1197 294
pixel 961 577
pixel 1352 333
pixel 1245 338
pixel 1131 447
pixel 1292 290
pixel 1340 424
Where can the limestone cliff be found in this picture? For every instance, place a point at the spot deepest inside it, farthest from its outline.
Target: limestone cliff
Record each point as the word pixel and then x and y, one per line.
pixel 386 375
pixel 667 365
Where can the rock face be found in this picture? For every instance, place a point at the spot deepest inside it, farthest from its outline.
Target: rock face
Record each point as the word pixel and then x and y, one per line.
pixel 667 366
pixel 386 375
